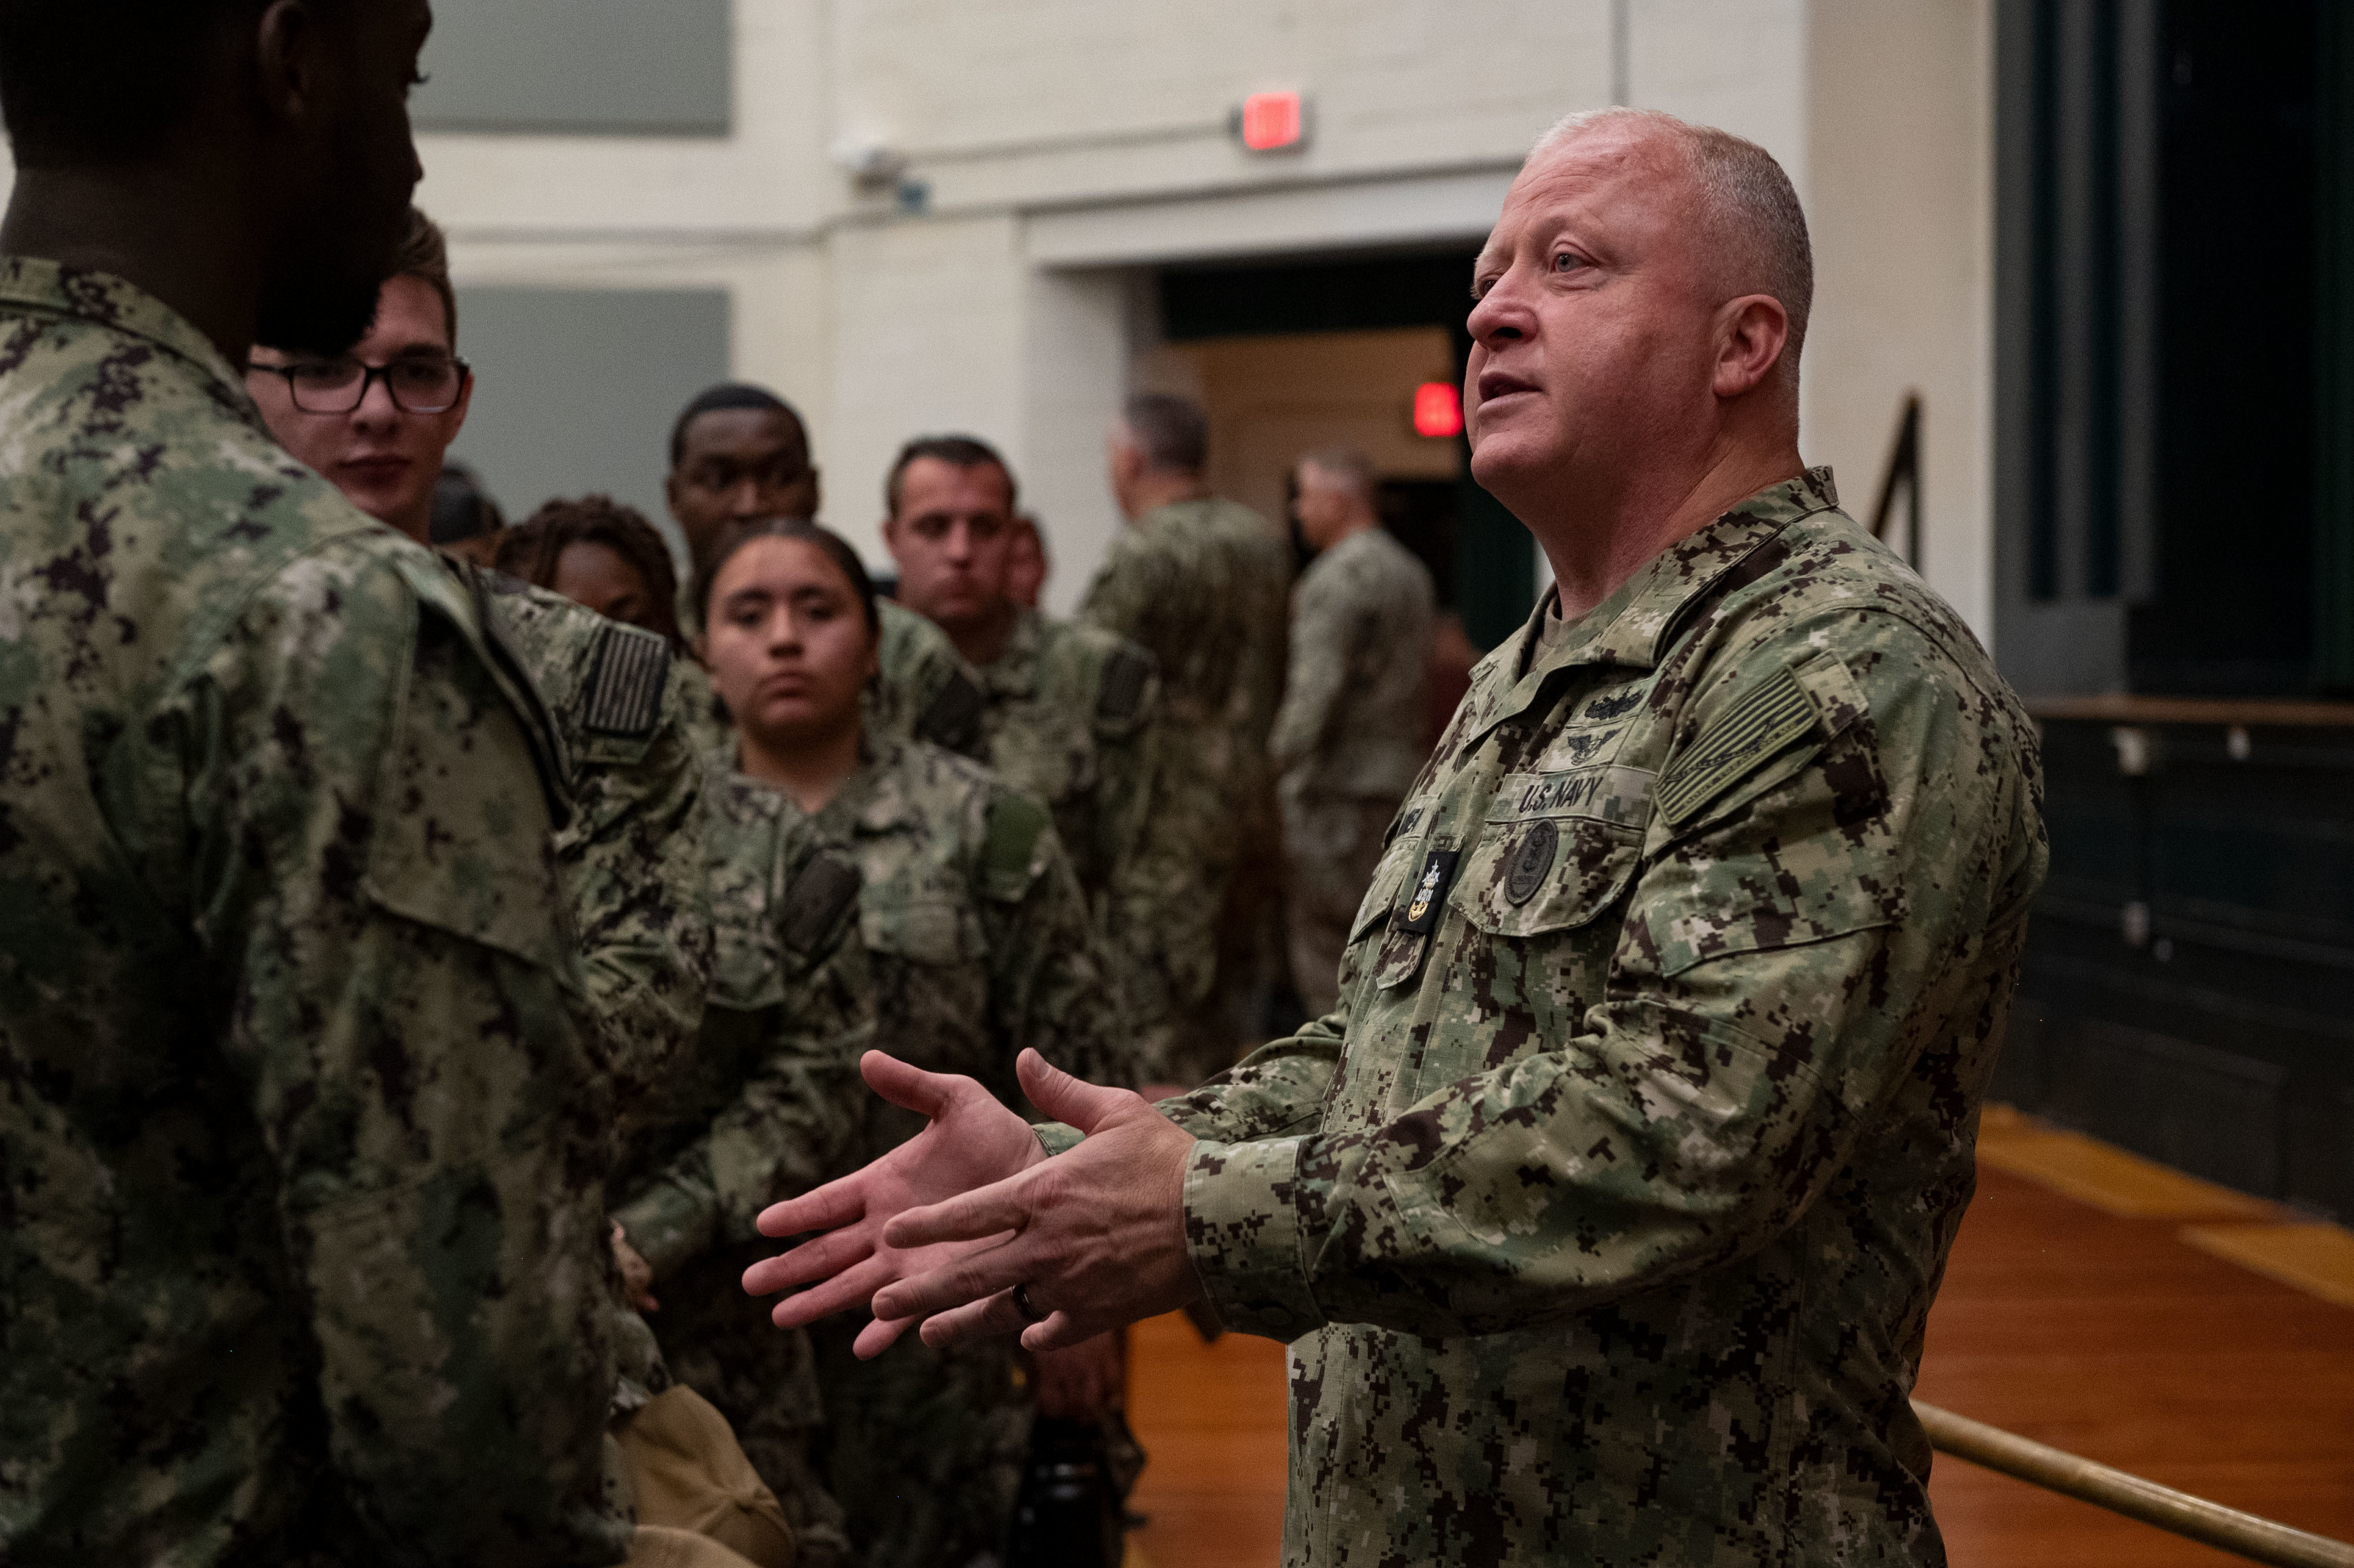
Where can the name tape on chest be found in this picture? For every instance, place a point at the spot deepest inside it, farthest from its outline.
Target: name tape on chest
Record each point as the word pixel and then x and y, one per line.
pixel 1603 794
pixel 625 690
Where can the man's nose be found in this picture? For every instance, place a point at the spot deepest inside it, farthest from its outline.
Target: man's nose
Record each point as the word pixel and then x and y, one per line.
pixel 1499 315
pixel 377 410
pixel 748 501
pixel 960 541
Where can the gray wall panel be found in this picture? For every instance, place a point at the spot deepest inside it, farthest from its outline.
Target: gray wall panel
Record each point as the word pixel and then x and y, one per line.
pixel 611 67
pixel 575 389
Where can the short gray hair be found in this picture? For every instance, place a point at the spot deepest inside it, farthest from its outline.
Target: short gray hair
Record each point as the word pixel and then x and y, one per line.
pixel 1747 196
pixel 1352 468
pixel 1171 432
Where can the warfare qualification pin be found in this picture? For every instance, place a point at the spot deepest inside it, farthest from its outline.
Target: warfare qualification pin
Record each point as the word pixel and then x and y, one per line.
pixel 1437 871
pixel 1532 861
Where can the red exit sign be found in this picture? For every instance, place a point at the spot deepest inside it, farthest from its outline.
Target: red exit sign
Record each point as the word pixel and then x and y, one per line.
pixel 1272 121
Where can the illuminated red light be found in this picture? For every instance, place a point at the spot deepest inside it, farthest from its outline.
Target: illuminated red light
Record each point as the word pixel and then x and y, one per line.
pixel 1271 122
pixel 1438 409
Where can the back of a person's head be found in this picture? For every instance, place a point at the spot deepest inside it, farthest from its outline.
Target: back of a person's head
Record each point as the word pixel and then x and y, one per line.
pixel 1346 467
pixel 726 395
pixel 462 510
pixel 103 83
pixel 1170 433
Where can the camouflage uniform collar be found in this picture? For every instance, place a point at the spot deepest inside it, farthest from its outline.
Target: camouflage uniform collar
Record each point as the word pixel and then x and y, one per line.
pixel 1629 629
pixel 1167 511
pixel 1015 672
pixel 871 800
pixel 106 301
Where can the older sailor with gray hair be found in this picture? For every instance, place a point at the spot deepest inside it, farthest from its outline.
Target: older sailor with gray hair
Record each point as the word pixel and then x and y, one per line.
pixel 1604 1217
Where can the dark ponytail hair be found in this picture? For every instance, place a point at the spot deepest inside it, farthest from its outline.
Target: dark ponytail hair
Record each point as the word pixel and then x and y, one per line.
pixel 706 577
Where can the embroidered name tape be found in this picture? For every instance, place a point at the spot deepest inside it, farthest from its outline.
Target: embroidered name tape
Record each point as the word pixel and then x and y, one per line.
pixel 1610 794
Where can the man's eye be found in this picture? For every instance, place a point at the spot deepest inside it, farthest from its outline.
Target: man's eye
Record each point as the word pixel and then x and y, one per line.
pixel 1567 262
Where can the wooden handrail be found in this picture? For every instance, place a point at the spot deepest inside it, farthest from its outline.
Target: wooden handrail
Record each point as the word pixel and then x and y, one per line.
pixel 2227 1529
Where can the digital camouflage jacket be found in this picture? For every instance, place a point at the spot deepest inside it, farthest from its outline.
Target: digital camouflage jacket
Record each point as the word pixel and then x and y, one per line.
pixel 931 909
pixel 1606 1224
pixel 1202 586
pixel 1066 715
pixel 1352 722
pixel 301 1144
pixel 633 855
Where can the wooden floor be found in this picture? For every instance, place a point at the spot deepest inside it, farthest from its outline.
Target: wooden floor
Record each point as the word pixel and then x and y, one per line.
pixel 2088 1306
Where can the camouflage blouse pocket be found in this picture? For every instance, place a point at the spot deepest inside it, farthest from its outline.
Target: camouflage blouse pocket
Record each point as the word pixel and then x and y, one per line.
pixel 463 834
pixel 920 929
pixel 1557 850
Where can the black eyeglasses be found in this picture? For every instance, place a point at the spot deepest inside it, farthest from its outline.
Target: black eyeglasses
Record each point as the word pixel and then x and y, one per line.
pixel 340 386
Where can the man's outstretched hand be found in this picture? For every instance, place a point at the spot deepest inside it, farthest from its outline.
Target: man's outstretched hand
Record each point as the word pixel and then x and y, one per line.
pixel 972 1141
pixel 1096 1237
pixel 939 1230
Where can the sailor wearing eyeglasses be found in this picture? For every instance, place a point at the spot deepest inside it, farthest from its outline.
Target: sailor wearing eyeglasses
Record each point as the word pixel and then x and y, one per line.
pixel 376 422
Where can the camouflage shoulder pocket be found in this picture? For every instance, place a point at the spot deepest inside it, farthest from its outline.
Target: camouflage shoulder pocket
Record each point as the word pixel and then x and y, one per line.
pixel 462 835
pixel 1776 723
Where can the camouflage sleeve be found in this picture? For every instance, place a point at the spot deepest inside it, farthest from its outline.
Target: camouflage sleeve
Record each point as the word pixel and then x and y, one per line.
pixel 633 859
pixel 1129 583
pixel 1048 983
pixel 1323 630
pixel 1140 904
pixel 377 873
pixel 923 689
pixel 789 1122
pixel 1161 913
pixel 1791 943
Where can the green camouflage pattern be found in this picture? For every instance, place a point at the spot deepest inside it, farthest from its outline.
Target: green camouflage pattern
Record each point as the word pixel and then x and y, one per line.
pixel 301 1141
pixel 1202 585
pixel 1605 1217
pixel 928 693
pixel 1352 721
pixel 760 1110
pixel 632 856
pixel 931 908
pixel 1066 716
pixel 1348 739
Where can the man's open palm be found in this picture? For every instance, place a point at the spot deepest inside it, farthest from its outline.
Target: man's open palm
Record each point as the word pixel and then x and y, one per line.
pixel 971 1141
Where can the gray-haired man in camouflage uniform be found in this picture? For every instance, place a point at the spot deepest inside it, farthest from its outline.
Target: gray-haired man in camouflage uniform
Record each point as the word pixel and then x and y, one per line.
pixel 1605 1217
pixel 1349 738
pixel 1202 585
pixel 302 1249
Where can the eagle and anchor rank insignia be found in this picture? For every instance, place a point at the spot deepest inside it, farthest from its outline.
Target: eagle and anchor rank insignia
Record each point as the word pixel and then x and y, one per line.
pixel 1422 914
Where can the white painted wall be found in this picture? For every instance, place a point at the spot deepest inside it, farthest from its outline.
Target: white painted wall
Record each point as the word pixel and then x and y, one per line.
pixel 1068 144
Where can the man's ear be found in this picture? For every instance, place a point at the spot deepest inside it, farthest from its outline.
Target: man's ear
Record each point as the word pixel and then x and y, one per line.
pixel 291 73
pixel 817 493
pixel 1751 334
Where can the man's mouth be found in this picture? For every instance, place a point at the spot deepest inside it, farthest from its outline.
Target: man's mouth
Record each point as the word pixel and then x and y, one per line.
pixel 376 468
pixel 1497 384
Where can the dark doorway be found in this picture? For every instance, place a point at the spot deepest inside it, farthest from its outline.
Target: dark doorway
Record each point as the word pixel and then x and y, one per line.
pixel 1480 555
